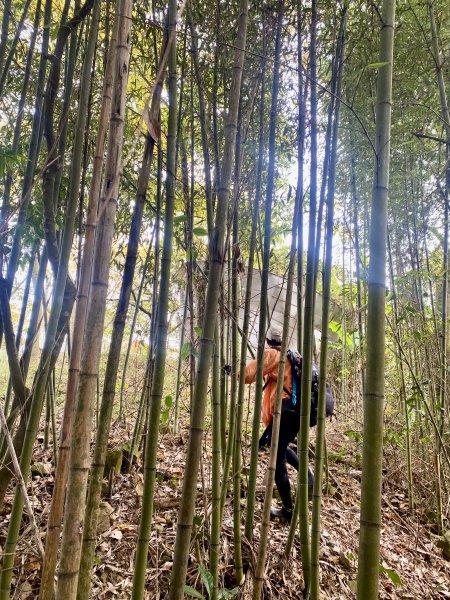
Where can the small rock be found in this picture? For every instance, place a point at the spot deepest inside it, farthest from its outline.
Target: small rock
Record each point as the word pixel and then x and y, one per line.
pixel 40 468
pixel 105 511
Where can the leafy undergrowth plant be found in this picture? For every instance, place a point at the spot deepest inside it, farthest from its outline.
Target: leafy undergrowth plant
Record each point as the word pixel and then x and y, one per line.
pixel 207 581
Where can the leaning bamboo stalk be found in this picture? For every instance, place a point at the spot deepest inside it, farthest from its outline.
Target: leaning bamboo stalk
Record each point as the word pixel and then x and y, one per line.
pixel 20 113
pixel 53 340
pixel 82 424
pixel 33 149
pixel 109 388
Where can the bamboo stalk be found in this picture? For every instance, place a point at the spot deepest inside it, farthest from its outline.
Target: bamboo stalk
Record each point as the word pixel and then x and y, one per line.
pixel 370 519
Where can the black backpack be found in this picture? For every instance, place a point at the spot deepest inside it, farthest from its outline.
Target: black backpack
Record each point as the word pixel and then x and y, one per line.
pixel 295 358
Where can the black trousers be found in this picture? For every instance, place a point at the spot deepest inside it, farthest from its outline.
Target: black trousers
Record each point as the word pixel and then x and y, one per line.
pixel 289 426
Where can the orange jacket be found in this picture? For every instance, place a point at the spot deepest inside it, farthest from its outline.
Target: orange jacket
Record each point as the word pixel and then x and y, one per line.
pixel 271 359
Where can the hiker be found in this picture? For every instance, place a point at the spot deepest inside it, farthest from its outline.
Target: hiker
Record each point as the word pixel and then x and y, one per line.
pixel 289 424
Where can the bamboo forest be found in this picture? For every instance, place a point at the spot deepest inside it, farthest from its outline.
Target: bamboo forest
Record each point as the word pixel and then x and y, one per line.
pixel 224 326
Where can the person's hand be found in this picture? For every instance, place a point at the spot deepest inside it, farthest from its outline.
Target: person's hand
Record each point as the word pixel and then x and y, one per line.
pixel 227 369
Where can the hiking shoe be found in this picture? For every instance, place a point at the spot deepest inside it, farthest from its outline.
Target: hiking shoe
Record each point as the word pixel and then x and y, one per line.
pixel 284 515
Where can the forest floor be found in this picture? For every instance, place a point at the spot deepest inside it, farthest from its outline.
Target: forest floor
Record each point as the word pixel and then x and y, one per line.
pixel 412 565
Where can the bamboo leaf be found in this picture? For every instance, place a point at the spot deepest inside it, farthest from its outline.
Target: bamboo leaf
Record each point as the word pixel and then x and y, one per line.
pixel 207 580
pixel 190 591
pixel 377 65
pixel 392 574
pixel 187 350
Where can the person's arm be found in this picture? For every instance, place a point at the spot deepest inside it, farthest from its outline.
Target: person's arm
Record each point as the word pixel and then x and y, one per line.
pixel 250 372
pixel 270 359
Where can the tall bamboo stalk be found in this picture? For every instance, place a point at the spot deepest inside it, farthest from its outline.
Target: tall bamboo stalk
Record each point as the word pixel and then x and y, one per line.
pixel 262 325
pixel 187 504
pixel 326 300
pixel 51 343
pixel 308 323
pixel 158 373
pixel 33 149
pixel 109 388
pixel 370 520
pixel 57 505
pixel 265 519
pixel 20 113
pixel 81 435
pixel 215 468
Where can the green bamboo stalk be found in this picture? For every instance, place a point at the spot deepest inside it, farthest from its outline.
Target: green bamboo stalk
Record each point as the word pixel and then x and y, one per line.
pixel 308 326
pixel 370 520
pixel 301 94
pixel 5 30
pixel 33 149
pixel 402 382
pixel 187 503
pixel 176 410
pixel 229 450
pixel 445 110
pixel 143 403
pixel 13 47
pixel 326 300
pixel 251 498
pixel 40 385
pixel 109 388
pixel 57 505
pixel 20 113
pixel 265 520
pixel 133 325
pixel 215 468
pixel 161 335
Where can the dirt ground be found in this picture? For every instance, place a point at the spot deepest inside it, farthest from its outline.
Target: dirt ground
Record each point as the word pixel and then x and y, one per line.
pixel 413 566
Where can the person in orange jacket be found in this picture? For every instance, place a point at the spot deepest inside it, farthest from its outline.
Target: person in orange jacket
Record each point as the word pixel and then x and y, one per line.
pixel 289 424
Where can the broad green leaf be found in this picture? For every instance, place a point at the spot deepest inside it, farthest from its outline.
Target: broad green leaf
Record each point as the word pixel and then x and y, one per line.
pixel 393 575
pixel 179 219
pixel 168 401
pixel 207 580
pixel 200 231
pixel 186 350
